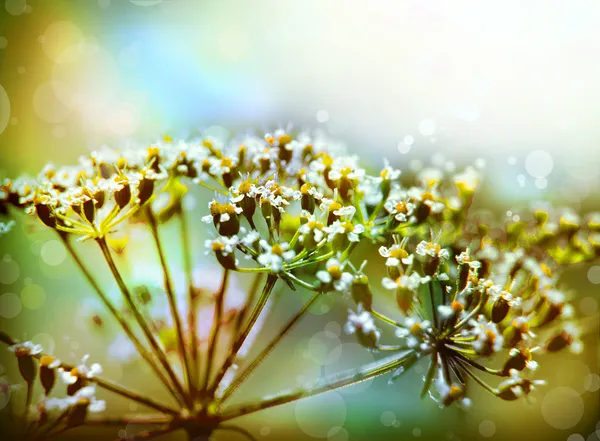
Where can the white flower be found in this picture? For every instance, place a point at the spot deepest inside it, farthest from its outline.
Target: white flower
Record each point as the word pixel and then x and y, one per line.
pixel 26 348
pixel 275 255
pixel 344 228
pixel 361 321
pixel 401 210
pixel 432 249
pixel 225 245
pixel 395 254
pixel 87 392
pixel 465 258
pixel 488 335
pixel 82 370
pixel 411 282
pixel 334 274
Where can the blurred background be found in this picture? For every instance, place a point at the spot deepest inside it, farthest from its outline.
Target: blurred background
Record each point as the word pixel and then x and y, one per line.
pixel 512 84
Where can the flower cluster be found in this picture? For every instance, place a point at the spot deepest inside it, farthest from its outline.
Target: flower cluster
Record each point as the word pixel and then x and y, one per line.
pixel 293 208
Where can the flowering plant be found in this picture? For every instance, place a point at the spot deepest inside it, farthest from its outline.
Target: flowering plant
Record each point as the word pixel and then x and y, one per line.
pixel 478 299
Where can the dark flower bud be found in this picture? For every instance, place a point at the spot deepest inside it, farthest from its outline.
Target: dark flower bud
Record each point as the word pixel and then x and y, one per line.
pixel 559 342
pixel 77 385
pixel 227 261
pixel 500 309
pixel 47 373
pixel 26 365
pixel 99 198
pixel 78 412
pixel 285 154
pixel 431 264
pixel 123 195
pixel 89 209
pixel 361 292
pixel 463 276
pixel 308 200
pixel 145 190
pixel 518 361
pixel 46 215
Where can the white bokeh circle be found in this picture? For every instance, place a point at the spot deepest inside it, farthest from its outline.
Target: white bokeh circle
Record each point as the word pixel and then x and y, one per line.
pixel 317 416
pixel 53 252
pixel 539 164
pixel 562 408
pixel 10 305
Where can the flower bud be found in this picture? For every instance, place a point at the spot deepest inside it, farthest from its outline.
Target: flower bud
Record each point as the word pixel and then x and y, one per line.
pixel 77 385
pixel 145 190
pixel 559 342
pixel 47 373
pixel 455 393
pixel 46 215
pixel 361 292
pixel 89 209
pixel 78 412
pixel 431 264
pixel 123 195
pixel 518 361
pixel 500 309
pixel 331 216
pixel 285 154
pixel 248 203
pixel 308 200
pixel 26 365
pixel 514 333
pixel 404 298
pixel 227 261
pixel 463 276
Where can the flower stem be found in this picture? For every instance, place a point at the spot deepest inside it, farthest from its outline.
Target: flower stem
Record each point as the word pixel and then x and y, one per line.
pixel 241 377
pixel 146 355
pixel 260 304
pixel 187 265
pixel 140 319
pixel 327 384
pixel 170 296
pixel 216 326
pixel 249 300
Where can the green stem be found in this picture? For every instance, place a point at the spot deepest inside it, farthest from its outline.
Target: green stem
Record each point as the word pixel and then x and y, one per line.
pixel 146 355
pixel 140 319
pixel 386 319
pixel 327 384
pixel 171 297
pixel 260 304
pixel 430 374
pixel 249 300
pixel 258 360
pixel 216 326
pixel 433 308
pixel 187 265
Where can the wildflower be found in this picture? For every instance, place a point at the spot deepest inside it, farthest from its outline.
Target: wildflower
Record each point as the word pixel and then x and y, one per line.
pixel 361 323
pixel 275 255
pixel 335 276
pixel 342 233
pixel 406 287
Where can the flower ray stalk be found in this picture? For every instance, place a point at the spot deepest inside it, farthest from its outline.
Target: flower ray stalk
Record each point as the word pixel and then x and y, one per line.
pixel 172 301
pixel 216 327
pixel 140 319
pixel 128 331
pixel 330 383
pixel 237 345
pixel 265 352
pixel 191 298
